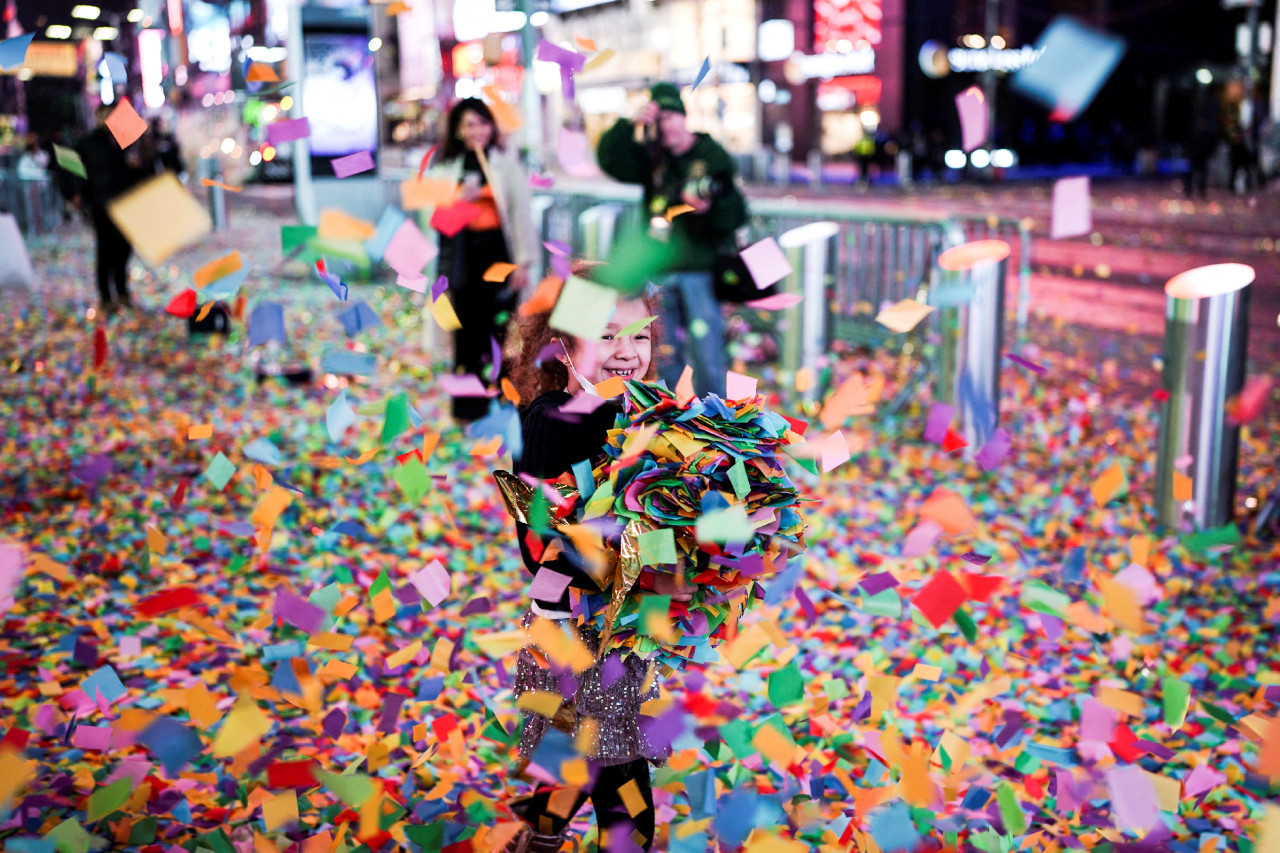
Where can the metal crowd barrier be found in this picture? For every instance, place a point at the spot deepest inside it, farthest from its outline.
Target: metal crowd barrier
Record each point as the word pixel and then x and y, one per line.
pixel 34 202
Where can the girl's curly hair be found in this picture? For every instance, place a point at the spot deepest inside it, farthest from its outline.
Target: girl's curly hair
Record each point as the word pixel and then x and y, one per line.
pixel 533 378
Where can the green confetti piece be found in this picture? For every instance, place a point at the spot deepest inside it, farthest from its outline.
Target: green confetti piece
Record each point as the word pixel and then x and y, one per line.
pixel 835 688
pixel 1208 540
pixel 104 801
pixel 70 837
pixel 413 479
pixel 729 525
pixel 600 502
pixel 396 421
pixel 738 479
pixel 633 328
pixel 1010 812
pixel 1175 699
pixel 1042 598
pixel 583 309
pixel 219 471
pixel 429 837
pixel 654 611
pixel 786 687
pixel 353 789
pixel 883 603
pixel 966 625
pixel 70 161
pixel 380 583
pixel 143 832
pixel 658 547
pixel 737 736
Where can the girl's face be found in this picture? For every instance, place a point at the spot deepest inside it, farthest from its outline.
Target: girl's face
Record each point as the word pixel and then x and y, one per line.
pixel 474 131
pixel 625 356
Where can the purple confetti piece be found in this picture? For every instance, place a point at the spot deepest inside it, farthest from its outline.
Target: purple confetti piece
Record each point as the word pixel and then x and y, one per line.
pixel 560 266
pixel 298 612
pixel 556 247
pixel 565 58
pixel 806 604
pixel 334 722
pixel 875 584
pixel 352 164
pixel 994 451
pixel 288 130
pixel 439 287
pixel 93 470
pixel 476 605
pixel 976 559
pixel 935 429
pixel 1029 365
pixel 391 712
pixel 495 350
pixel 613 670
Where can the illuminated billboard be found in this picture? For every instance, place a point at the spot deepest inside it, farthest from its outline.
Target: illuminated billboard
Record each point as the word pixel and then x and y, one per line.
pixel 339 95
pixel 840 26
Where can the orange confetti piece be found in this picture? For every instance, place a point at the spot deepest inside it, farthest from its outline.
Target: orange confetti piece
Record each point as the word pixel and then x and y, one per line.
pixel 208 183
pixel 221 268
pixel 498 272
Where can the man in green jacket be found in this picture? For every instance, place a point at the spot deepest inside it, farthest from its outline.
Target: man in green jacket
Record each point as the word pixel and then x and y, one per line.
pixel 693 207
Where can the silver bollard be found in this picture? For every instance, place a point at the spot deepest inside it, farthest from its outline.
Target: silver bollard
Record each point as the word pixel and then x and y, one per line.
pixel 598 226
pixel 217 196
pixel 808 249
pixel 1205 342
pixel 970 302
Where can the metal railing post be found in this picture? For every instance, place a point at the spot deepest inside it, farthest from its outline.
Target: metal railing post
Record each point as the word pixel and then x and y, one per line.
pixel 1205 344
pixel 973 337
pixel 805 338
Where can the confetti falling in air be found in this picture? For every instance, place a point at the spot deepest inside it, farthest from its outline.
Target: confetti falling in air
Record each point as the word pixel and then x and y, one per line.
pixel 319 652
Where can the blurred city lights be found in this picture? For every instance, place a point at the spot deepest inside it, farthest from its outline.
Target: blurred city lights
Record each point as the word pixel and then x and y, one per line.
pixel 207 100
pixel 269 153
pixel 507 22
pixel 374 44
pixel 539 18
pixel 954 159
pixel 255 158
pixel 227 145
pixel 106 33
pixel 269 112
pixel 1204 76
pixel 1002 158
pixel 135 15
pixel 980 158
pixel 286 103
pixel 997 42
pixel 88 13
pixel 262 53
pixel 58 31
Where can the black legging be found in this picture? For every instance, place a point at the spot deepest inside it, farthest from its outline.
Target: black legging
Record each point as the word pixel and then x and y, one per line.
pixel 476 302
pixel 113 261
pixel 611 813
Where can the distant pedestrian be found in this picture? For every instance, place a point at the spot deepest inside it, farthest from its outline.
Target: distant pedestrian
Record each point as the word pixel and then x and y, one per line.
pixel 110 172
pixel 168 154
pixel 680 168
pixel 493 189
pixel 1205 122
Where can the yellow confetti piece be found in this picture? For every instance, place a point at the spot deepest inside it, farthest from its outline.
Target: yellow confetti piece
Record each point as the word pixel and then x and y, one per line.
pixel 563 649
pixel 745 646
pixel 500 644
pixel 774 745
pixel 631 797
pixel 926 672
pixel 244 727
pixel 280 811
pixel 333 642
pixel 441 654
pixel 444 315
pixel 539 702
pixel 15 774
pixel 599 59
pixel 1120 700
pixel 403 656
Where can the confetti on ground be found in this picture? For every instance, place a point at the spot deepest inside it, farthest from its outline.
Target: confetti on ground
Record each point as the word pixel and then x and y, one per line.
pixel 319 653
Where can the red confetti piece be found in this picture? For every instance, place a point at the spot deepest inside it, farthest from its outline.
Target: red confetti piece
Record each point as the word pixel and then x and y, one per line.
pixel 168 600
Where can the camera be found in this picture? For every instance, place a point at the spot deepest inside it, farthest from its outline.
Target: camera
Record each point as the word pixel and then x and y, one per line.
pixel 705 187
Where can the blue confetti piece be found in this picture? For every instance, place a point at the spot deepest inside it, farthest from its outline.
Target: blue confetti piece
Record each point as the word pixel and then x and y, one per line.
pixel 172 742
pixel 892 828
pixel 388 223
pixel 105 681
pixel 702 73
pixel 262 450
pixel 349 363
pixel 266 323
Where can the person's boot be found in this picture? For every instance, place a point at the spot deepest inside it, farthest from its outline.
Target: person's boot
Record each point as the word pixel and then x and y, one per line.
pixel 528 841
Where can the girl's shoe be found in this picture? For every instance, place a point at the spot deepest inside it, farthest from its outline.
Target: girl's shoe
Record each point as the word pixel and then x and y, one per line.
pixel 528 841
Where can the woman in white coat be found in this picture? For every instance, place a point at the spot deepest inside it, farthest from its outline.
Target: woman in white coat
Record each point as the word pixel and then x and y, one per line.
pixel 493 199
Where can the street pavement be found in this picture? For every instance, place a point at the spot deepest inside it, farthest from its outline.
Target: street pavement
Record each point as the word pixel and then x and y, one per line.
pixel 1005 674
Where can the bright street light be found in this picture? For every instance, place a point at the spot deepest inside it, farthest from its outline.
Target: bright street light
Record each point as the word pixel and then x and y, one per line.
pixel 135 15
pixel 980 158
pixel 58 31
pixel 954 159
pixel 374 44
pixel 539 18
pixel 89 13
pixel 106 33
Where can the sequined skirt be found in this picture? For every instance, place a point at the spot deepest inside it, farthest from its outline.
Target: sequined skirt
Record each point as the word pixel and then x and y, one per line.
pixel 608 717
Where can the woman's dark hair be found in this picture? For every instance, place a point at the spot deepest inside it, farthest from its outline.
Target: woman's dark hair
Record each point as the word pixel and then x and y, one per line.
pixel 451 146
pixel 532 378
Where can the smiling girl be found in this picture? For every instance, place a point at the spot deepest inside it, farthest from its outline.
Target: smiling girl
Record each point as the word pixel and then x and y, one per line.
pixel 553 369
